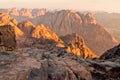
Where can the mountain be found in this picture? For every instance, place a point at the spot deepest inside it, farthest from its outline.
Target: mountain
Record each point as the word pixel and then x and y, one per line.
pixel 111 21
pixel 75 44
pixel 67 22
pixel 41 36
pixel 41 31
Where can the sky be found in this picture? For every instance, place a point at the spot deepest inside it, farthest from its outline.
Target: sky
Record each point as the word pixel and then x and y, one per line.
pixel 81 5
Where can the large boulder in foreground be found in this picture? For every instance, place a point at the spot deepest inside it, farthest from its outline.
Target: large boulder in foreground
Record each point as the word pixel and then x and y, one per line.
pixel 7 38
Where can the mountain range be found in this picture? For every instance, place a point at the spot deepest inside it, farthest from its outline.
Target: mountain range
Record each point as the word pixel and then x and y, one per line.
pixel 65 22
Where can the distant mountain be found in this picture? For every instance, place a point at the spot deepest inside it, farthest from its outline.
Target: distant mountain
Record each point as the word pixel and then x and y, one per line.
pixel 111 21
pixel 27 12
pixel 24 14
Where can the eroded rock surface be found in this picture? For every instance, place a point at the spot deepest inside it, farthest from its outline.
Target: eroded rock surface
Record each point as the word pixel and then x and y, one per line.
pixel 7 38
pixel 36 64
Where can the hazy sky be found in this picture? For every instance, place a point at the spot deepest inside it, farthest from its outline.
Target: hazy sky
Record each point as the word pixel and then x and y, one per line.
pixel 93 5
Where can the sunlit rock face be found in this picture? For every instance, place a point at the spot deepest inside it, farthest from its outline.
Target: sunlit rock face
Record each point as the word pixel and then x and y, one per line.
pixel 4 18
pixel 90 18
pixel 76 45
pixel 41 31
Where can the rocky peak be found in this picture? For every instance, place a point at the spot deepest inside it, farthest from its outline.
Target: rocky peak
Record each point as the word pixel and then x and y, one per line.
pixel 41 31
pixel 90 18
pixel 75 44
pixel 4 18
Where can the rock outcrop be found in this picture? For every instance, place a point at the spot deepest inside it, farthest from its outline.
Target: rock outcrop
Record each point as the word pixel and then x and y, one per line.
pixel 4 18
pixel 112 54
pixel 7 38
pixel 107 67
pixel 75 44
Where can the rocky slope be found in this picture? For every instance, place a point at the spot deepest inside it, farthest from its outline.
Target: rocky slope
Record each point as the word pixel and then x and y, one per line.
pixel 41 31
